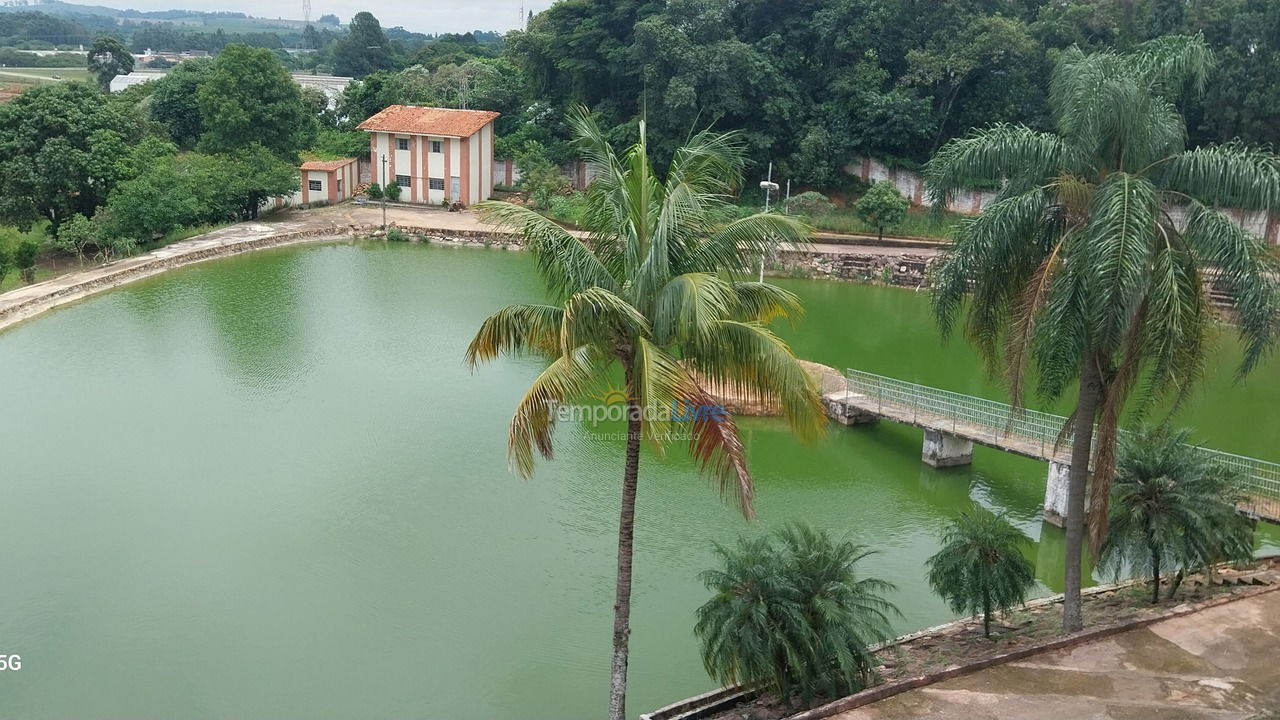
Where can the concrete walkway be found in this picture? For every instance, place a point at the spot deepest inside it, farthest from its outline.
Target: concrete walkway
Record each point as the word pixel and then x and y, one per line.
pixel 1221 663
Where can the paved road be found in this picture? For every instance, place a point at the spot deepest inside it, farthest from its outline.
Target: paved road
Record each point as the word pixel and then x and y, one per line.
pixel 1222 663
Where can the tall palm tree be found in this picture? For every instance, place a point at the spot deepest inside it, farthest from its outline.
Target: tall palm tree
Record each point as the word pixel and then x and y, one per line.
pixel 980 567
pixel 653 287
pixel 1172 506
pixel 1091 262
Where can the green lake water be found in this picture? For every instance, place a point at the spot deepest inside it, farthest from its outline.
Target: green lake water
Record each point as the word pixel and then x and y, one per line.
pixel 267 487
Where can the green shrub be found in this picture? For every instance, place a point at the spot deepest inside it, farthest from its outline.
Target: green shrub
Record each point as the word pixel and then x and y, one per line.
pixel 789 612
pixel 810 204
pixel 392 191
pixel 374 191
pixel 396 235
pixel 24 257
pixel 980 567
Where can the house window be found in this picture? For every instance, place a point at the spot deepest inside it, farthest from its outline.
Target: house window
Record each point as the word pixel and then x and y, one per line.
pixel 437 146
pixel 402 181
pixel 315 185
pixel 436 183
pixel 402 143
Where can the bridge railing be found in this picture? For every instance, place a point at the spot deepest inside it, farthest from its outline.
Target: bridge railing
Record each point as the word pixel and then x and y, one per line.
pixel 999 421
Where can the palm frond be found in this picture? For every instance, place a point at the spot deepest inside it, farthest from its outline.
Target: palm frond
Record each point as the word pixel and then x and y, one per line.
pixel 566 263
pixel 569 376
pixel 1232 175
pixel 517 329
pixel 993 155
pixel 750 361
pixel 1242 265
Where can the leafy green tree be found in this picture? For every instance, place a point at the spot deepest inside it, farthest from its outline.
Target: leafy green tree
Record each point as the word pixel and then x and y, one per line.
pixel 108 57
pixel 175 101
pixel 249 98
pixel 1172 507
pixel 341 143
pixel 364 49
pixel 980 567
pixel 60 152
pixel 79 234
pixel 789 612
pixel 253 176
pixel 24 258
pixel 1077 268
pixel 882 206
pixel 540 179
pixel 654 290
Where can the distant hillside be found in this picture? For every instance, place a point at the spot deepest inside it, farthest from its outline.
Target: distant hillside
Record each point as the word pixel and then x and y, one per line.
pixel 226 21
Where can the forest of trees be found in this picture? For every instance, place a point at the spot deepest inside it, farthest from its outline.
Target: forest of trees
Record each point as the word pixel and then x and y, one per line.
pixel 810 83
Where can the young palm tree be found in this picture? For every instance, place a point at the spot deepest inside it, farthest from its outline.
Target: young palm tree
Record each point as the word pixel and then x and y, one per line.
pixel 980 568
pixel 1091 262
pixel 1172 507
pixel 652 287
pixel 789 613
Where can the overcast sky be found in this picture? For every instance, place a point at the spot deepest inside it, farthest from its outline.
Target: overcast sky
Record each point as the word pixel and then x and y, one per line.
pixel 428 16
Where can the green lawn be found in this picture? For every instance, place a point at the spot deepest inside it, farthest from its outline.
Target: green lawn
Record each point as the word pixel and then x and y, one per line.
pixel 33 75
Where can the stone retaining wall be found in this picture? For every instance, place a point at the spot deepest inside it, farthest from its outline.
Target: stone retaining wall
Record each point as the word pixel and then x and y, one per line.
pixel 903 269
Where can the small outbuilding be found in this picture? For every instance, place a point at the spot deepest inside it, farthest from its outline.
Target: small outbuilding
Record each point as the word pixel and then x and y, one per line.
pixel 435 155
pixel 330 181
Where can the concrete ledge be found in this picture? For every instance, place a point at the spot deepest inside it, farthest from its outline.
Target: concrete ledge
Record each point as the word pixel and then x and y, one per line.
pixel 882 692
pixel 709 703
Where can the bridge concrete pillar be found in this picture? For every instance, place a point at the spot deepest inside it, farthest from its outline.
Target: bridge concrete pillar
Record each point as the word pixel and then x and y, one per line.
pixel 1055 493
pixel 841 407
pixel 945 450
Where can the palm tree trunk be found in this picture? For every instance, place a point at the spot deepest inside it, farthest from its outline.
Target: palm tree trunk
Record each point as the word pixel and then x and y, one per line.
pixel 1155 574
pixel 1077 484
pixel 986 614
pixel 626 535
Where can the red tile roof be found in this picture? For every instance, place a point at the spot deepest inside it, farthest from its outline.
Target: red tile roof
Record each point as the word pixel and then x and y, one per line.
pixel 327 165
pixel 415 120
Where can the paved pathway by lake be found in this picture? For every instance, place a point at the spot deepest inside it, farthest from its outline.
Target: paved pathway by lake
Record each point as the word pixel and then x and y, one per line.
pixel 1221 663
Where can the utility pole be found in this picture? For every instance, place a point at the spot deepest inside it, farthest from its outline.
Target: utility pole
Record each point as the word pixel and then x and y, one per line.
pixel 384 192
pixel 769 186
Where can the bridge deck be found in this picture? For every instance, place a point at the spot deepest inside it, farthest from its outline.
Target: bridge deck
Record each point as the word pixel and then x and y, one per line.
pixel 1029 433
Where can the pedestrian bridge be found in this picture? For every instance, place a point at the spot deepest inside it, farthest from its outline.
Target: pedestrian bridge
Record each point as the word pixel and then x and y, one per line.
pixel 953 422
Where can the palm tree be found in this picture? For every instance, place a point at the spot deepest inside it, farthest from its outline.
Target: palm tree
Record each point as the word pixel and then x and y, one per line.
pixel 980 568
pixel 1091 262
pixel 789 613
pixel 1172 506
pixel 652 287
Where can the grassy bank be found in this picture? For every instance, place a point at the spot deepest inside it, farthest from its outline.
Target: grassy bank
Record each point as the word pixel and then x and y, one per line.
pixel 569 209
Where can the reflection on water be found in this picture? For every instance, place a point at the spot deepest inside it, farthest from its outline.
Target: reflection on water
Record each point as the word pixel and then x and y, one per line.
pixel 268 487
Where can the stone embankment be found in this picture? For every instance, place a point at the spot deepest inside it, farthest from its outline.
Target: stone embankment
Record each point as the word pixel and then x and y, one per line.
pixel 903 268
pixel 26 302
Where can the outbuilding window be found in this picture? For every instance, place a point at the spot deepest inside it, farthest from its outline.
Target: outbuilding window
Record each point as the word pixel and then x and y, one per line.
pixel 315 185
pixel 436 183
